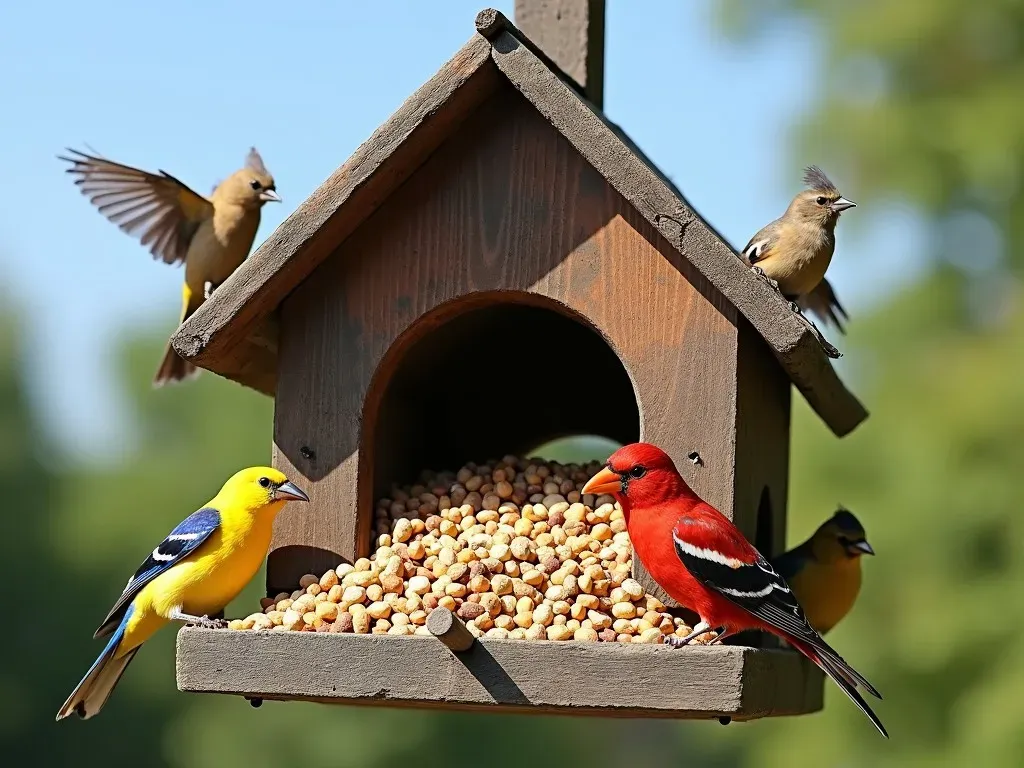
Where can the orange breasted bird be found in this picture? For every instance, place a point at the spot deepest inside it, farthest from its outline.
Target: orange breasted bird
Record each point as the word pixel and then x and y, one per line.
pixel 211 235
pixel 825 570
pixel 794 251
pixel 704 562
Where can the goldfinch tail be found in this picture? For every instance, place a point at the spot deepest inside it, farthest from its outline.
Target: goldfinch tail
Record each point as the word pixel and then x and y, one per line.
pixel 173 367
pixel 95 688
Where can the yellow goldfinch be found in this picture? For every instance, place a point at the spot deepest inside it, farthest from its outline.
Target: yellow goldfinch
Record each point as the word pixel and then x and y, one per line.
pixel 192 574
pixel 824 571
pixel 212 235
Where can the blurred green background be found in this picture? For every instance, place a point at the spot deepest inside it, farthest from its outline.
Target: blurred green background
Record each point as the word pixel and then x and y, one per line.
pixel 922 104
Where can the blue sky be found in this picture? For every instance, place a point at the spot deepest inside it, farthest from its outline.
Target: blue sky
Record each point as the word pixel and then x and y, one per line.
pixel 188 87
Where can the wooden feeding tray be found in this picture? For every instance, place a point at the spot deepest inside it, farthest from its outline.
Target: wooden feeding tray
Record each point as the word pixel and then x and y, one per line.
pixel 572 678
pixel 497 266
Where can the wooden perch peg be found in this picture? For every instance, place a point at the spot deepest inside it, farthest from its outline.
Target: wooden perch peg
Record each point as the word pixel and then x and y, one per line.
pixel 449 629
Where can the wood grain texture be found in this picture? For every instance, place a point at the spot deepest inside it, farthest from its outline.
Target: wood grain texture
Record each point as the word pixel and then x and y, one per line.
pixel 212 338
pixel 762 440
pixel 795 346
pixel 607 679
pixel 761 479
pixel 571 33
pixel 506 209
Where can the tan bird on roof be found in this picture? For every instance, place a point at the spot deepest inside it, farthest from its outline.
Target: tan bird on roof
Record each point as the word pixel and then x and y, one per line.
pixel 794 251
pixel 211 235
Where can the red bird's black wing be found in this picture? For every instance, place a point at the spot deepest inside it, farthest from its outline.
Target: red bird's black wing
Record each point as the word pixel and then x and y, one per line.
pixel 759 589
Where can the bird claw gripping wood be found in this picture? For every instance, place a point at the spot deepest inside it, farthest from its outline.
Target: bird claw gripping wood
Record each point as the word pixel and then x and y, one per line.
pixel 207 623
pixel 830 350
pixel 764 276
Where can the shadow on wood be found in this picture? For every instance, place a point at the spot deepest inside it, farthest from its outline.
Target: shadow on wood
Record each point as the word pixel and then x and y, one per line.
pixel 491 375
pixel 531 676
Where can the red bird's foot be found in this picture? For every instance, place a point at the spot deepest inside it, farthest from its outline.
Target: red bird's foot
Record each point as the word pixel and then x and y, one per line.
pixel 703 628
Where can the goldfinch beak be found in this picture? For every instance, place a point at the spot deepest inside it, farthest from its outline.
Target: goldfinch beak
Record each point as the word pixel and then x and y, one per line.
pixel 861 547
pixel 270 196
pixel 605 481
pixel 842 204
pixel 289 492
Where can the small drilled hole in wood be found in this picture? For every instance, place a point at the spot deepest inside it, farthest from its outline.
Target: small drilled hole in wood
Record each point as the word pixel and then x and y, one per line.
pixel 495 380
pixel 695 458
pixel 307 453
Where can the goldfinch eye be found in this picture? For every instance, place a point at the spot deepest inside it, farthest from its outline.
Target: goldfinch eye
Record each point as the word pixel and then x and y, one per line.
pixel 821 200
pixel 255 184
pixel 638 471
pixel 265 482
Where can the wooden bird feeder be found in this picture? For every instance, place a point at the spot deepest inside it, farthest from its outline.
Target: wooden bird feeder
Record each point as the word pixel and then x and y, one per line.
pixel 499 250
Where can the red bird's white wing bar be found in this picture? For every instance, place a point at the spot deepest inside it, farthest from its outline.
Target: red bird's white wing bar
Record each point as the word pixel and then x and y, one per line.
pixel 757 588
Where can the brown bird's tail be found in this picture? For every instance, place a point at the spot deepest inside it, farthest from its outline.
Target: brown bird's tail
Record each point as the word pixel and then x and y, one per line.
pixel 822 302
pixel 174 367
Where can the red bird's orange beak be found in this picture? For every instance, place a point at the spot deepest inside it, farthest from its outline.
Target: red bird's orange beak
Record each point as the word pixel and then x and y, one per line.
pixel 605 481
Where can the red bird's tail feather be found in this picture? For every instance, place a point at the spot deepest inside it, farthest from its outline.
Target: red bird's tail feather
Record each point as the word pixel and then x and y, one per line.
pixel 844 676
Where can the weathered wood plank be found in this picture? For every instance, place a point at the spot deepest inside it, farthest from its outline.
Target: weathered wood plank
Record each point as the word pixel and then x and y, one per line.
pixel 794 344
pixel 446 243
pixel 606 679
pixel 571 33
pixel 212 337
pixel 763 404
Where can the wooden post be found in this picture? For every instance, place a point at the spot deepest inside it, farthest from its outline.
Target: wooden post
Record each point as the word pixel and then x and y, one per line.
pixel 571 33
pixel 449 629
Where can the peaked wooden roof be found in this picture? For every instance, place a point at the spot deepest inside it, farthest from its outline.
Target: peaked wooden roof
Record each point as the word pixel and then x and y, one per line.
pixel 233 334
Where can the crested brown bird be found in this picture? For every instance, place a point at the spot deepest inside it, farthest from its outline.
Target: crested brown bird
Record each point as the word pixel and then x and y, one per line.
pixel 794 251
pixel 211 235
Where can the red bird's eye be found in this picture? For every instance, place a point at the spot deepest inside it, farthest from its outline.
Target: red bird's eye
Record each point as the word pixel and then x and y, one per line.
pixel 638 471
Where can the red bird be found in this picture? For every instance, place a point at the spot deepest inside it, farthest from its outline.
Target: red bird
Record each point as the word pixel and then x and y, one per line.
pixel 703 561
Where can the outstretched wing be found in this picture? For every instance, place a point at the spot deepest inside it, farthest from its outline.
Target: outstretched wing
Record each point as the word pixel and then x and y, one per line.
pixel 162 211
pixel 750 582
pixel 184 539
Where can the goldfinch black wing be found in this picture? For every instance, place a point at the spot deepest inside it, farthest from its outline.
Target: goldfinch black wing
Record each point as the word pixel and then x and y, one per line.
pixel 790 563
pixel 184 539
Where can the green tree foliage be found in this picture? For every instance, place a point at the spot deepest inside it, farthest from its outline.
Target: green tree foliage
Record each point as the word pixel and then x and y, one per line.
pixel 76 533
pixel 920 99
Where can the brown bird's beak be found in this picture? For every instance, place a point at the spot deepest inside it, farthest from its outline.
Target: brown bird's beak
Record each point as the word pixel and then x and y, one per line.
pixel 270 196
pixel 605 481
pixel 842 204
pixel 860 548
pixel 289 491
